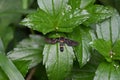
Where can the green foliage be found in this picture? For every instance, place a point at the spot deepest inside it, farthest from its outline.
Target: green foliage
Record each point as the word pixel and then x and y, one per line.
pixel 28 50
pixel 108 71
pixel 65 21
pixel 57 63
pixel 98 13
pixel 8 14
pixel 107 44
pixel 109 29
pixel 94 26
pixel 104 48
pixel 9 68
pixel 113 3
pixel 82 51
pixel 19 64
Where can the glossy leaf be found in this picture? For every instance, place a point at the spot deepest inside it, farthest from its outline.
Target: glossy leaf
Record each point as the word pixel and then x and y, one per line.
pixel 80 3
pixel 113 3
pixel 74 4
pixel 109 29
pixel 29 49
pixel 9 69
pixel 3 76
pixel 98 14
pixel 85 3
pixel 107 71
pixel 22 66
pixel 88 71
pixel 103 47
pixel 85 73
pixel 64 22
pixel 58 64
pixel 52 6
pixel 2 50
pixel 116 51
pixel 82 51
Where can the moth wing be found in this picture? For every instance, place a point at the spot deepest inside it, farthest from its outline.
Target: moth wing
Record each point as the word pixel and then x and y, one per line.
pixel 71 42
pixel 51 40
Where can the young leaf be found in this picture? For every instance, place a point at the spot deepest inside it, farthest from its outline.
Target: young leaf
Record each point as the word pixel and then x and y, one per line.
pixel 116 51
pixel 109 29
pixel 9 68
pixel 64 22
pixel 82 51
pixel 107 71
pixel 103 47
pixel 29 49
pixel 74 4
pixel 58 64
pixel 98 14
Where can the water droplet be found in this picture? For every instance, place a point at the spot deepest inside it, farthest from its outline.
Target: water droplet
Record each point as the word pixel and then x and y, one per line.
pixel 71 16
pixel 116 66
pixel 63 13
pixel 84 12
pixel 56 28
pixel 68 8
pixel 111 54
pixel 88 59
pixel 90 43
pixel 26 20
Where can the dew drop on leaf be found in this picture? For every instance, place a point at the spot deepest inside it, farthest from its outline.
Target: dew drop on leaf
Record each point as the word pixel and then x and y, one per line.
pixel 116 66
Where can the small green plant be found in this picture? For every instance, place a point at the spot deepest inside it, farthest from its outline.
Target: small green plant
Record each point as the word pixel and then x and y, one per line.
pixel 78 40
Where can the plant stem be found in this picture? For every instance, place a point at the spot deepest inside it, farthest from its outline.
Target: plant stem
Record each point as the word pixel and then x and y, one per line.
pixel 32 71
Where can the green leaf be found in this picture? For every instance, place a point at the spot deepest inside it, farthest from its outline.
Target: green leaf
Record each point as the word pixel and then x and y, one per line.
pixel 8 11
pixel 82 51
pixel 26 4
pixel 22 66
pixel 29 49
pixel 109 29
pixel 85 3
pixel 98 14
pixel 116 51
pixel 3 76
pixel 103 47
pixel 85 73
pixel 58 64
pixel 6 35
pixel 80 3
pixel 83 76
pixel 74 4
pixel 9 14
pixel 52 6
pixel 64 22
pixel 113 3
pixel 108 71
pixel 2 50
pixel 9 68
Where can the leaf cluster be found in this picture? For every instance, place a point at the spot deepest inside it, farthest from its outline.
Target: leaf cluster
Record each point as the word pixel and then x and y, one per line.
pixel 95 27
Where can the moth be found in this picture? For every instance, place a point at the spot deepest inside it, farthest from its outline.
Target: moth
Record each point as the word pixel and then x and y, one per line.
pixel 62 42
